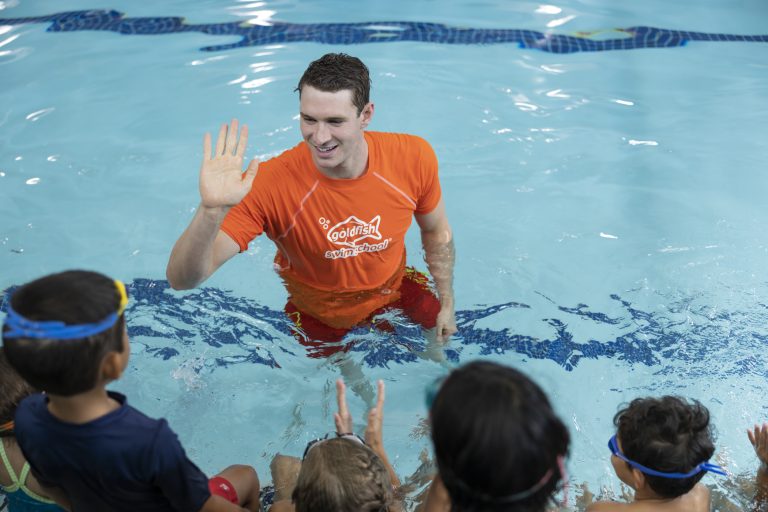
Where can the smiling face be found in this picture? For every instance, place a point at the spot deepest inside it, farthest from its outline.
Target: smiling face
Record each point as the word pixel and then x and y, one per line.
pixel 333 129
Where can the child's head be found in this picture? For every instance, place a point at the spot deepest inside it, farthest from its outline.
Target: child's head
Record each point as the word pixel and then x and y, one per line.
pixel 341 475
pixel 60 328
pixel 667 434
pixel 12 390
pixel 498 443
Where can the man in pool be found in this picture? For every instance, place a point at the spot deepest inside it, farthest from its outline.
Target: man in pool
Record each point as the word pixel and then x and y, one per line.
pixel 337 206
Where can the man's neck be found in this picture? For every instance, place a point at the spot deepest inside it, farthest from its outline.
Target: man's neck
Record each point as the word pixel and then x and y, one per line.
pixel 83 407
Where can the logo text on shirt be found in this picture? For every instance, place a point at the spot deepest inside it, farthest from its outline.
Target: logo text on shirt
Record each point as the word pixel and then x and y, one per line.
pixel 350 232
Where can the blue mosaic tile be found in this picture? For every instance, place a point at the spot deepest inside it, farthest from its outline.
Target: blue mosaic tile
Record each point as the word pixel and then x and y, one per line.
pixel 172 324
pixel 631 38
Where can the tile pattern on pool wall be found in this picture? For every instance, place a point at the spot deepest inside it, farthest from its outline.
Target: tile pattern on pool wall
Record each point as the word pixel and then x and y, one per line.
pixel 631 38
pixel 238 330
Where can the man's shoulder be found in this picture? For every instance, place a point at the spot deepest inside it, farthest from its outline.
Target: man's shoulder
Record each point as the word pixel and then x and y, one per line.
pixel 399 139
pixel 399 151
pixel 290 156
pixel 295 161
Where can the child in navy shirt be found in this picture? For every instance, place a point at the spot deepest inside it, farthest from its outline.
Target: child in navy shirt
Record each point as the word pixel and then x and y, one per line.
pixel 65 334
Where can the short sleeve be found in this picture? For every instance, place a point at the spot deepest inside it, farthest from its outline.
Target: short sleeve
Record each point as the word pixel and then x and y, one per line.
pixel 429 186
pixel 246 220
pixel 177 477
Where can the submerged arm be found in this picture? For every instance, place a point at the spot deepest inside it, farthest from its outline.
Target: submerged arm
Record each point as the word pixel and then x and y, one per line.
pixel 440 255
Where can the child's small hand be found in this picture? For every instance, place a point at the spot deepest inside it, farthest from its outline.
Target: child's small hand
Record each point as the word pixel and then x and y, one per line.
pixel 373 431
pixel 342 419
pixel 759 439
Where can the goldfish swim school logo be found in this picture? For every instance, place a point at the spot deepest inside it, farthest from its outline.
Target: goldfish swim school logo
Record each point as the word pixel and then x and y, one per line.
pixel 349 233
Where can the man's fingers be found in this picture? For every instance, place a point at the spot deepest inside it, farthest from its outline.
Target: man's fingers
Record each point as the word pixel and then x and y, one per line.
pixel 242 142
pixel 207 147
pixel 231 138
pixel 221 141
pixel 751 436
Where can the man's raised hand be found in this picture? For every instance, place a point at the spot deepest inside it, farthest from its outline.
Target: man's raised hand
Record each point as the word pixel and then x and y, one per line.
pixel 222 181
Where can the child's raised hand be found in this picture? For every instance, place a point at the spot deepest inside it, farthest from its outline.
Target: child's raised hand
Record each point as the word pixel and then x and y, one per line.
pixel 342 419
pixel 759 439
pixel 373 431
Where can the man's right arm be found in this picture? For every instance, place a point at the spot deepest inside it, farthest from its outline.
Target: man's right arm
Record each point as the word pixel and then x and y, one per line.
pixel 203 247
pixel 200 250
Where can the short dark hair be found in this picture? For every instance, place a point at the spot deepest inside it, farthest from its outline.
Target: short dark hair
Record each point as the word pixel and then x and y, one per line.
pixel 339 475
pixel 335 72
pixel 668 434
pixel 65 367
pixel 12 390
pixel 495 435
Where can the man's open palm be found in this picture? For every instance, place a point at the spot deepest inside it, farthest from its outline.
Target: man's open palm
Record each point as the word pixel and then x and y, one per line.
pixel 222 181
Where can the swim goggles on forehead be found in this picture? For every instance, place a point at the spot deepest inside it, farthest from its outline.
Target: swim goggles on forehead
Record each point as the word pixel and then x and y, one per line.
pixel 352 437
pixel 613 445
pixel 20 327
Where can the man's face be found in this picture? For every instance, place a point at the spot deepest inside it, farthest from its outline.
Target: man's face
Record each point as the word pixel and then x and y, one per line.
pixel 333 130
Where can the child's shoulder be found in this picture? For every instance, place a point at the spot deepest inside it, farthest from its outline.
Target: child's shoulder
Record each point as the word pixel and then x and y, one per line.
pixel 696 500
pixel 610 506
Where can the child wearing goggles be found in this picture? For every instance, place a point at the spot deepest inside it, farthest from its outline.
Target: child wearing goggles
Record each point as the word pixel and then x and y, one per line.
pixel 65 334
pixel 661 450
pixel 340 472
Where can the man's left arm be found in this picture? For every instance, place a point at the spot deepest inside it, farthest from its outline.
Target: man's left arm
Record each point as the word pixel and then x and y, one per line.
pixel 440 254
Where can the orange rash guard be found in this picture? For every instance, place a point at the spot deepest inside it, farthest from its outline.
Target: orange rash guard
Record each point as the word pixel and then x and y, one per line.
pixel 340 243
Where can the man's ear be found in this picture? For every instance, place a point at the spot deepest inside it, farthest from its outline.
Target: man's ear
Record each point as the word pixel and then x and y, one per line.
pixel 366 115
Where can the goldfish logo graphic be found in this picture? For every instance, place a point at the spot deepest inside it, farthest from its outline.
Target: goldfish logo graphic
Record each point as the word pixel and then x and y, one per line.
pixel 350 234
pixel 353 230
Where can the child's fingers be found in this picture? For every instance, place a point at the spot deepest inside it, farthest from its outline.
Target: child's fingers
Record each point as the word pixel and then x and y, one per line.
pixel 342 418
pixel 341 398
pixel 380 400
pixel 339 423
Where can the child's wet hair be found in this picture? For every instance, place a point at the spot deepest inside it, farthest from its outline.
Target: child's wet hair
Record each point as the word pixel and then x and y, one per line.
pixel 668 434
pixel 65 367
pixel 339 475
pixel 496 437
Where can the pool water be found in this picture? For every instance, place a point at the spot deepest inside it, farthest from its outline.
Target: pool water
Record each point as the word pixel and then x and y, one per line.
pixel 607 204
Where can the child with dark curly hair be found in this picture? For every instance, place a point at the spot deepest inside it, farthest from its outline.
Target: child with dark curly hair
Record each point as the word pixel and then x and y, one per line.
pixel 661 449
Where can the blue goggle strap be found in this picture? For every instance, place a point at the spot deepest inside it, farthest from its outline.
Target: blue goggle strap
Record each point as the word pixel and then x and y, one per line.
pixel 704 466
pixel 20 327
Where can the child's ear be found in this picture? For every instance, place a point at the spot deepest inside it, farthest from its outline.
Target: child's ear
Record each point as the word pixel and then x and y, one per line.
pixel 112 366
pixel 639 478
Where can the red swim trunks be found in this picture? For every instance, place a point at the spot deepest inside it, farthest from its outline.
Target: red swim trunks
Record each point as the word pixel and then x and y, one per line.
pixel 417 301
pixel 220 486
